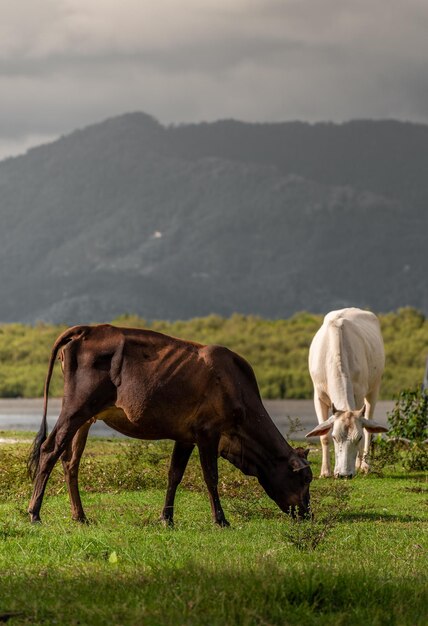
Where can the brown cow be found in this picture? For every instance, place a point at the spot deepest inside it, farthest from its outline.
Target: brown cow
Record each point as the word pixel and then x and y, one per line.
pixel 150 386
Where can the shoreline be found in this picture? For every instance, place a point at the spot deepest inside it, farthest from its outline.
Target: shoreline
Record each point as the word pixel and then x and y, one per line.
pixel 293 418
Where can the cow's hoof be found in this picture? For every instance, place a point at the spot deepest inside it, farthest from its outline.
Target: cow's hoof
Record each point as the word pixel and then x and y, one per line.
pixel 81 520
pixel 364 467
pixel 223 523
pixel 35 519
pixel 168 522
pixel 326 475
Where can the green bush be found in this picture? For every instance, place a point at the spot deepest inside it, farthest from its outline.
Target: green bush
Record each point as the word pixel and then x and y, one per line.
pixel 276 349
pixel 409 429
pixel 409 418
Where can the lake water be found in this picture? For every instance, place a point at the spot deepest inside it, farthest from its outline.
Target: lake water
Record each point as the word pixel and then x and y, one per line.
pixel 19 414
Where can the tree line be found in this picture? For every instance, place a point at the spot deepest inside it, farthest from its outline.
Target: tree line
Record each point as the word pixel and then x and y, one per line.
pixel 277 350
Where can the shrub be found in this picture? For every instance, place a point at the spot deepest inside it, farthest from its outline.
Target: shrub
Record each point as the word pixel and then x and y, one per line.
pixel 409 418
pixel 408 433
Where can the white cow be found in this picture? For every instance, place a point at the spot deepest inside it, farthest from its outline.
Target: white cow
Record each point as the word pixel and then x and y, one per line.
pixel 346 362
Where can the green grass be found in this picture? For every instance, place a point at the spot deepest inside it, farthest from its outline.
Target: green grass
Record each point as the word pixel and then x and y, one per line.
pixel 362 561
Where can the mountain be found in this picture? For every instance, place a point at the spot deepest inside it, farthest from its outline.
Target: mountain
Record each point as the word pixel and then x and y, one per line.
pixel 174 222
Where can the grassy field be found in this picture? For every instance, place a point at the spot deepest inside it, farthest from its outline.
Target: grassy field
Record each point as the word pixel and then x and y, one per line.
pixel 362 561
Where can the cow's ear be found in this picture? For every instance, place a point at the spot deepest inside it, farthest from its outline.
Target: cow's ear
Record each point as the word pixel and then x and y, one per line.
pixel 363 411
pixel 302 452
pixel 297 464
pixel 373 427
pixel 321 429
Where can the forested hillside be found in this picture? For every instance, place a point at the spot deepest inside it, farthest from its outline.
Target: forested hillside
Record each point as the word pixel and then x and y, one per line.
pixel 177 222
pixel 277 350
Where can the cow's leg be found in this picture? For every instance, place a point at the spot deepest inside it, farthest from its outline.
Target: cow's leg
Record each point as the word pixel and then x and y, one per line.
pixel 364 449
pixel 70 462
pixel 54 446
pixel 321 410
pixel 179 460
pixel 208 453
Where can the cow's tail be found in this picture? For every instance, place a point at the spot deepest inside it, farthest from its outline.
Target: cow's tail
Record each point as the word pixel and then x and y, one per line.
pixel 34 456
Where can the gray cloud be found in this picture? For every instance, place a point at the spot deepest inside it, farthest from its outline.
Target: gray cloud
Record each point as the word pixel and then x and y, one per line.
pixel 68 63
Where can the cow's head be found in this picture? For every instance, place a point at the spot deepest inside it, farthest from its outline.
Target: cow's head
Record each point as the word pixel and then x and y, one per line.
pixel 289 484
pixel 347 431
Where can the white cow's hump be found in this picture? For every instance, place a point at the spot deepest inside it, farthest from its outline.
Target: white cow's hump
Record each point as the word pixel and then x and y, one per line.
pixel 352 314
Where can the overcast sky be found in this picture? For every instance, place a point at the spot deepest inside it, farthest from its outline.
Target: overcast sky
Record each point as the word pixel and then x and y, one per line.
pixel 67 63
